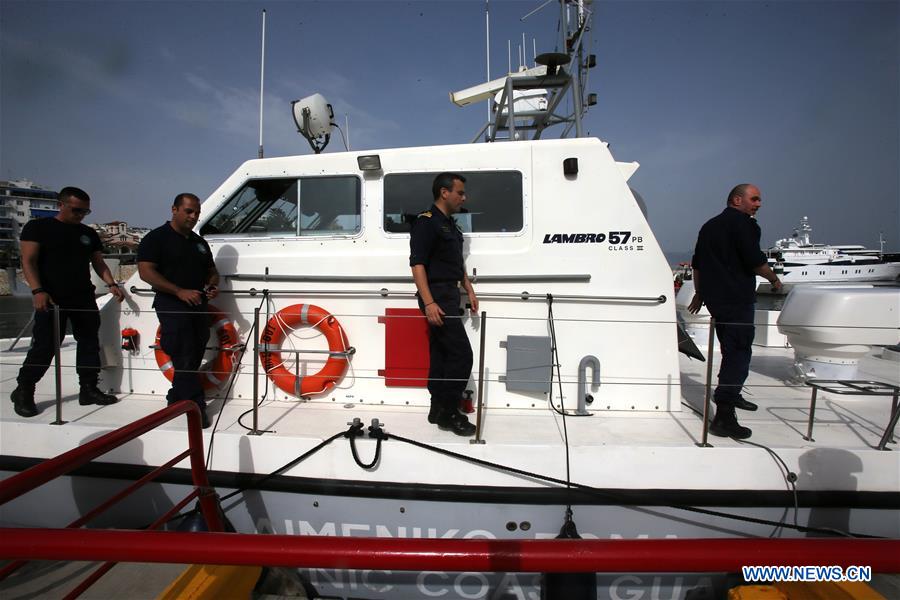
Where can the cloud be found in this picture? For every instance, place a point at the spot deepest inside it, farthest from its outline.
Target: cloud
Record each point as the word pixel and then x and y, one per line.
pixel 43 68
pixel 235 110
pixel 367 129
pixel 203 104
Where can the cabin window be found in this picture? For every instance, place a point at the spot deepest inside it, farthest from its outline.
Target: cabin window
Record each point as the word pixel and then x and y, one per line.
pixel 305 206
pixel 494 201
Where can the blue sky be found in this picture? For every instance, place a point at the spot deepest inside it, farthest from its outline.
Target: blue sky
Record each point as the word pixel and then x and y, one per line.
pixel 136 101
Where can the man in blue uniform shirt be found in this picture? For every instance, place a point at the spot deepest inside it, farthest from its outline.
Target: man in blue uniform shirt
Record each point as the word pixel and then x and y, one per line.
pixel 179 266
pixel 438 269
pixel 56 252
pixel 726 261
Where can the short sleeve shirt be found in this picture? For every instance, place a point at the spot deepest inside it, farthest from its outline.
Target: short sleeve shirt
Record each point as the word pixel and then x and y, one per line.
pixel 64 256
pixel 727 251
pixel 185 261
pixel 436 242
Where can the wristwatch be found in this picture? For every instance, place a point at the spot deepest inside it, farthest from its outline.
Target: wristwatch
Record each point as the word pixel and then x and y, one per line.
pixel 37 290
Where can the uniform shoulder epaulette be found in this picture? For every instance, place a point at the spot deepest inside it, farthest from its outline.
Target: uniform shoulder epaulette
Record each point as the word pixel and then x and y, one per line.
pixel 427 213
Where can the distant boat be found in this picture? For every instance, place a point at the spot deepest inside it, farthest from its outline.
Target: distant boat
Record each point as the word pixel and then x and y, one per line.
pixel 798 260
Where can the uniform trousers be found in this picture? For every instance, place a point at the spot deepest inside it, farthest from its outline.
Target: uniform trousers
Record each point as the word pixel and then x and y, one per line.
pixel 82 313
pixel 450 362
pixel 735 331
pixel 184 333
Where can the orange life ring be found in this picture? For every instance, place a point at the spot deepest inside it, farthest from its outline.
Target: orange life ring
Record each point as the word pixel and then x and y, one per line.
pixel 216 371
pixel 275 333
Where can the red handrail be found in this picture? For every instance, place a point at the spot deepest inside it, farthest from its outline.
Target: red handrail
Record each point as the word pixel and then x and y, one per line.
pixel 27 480
pixel 680 555
pixel 547 556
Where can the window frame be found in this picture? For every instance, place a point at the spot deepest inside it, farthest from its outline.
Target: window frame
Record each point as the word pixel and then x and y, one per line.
pixel 282 236
pixel 464 172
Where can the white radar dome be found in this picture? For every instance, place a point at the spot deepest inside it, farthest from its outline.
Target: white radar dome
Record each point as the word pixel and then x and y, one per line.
pixel 313 117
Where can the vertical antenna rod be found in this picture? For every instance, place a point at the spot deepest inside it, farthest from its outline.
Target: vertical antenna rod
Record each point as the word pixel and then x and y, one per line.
pixel 524 51
pixel 262 72
pixel 487 59
pixel 347 127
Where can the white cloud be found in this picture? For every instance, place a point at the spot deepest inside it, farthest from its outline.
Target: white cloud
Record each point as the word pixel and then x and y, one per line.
pixel 105 73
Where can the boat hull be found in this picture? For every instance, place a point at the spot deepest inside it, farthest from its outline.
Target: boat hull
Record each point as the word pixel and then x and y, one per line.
pixel 295 506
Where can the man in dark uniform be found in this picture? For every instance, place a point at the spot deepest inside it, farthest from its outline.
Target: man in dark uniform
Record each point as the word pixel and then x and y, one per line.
pixel 436 259
pixel 728 257
pixel 56 252
pixel 178 265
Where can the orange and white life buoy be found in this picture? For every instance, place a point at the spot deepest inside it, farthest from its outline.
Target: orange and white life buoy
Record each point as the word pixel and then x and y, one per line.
pixel 275 333
pixel 216 371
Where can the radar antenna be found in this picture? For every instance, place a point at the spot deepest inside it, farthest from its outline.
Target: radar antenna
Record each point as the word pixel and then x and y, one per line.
pixel 314 117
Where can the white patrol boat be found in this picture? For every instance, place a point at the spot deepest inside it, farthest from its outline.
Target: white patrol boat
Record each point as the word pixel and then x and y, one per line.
pixel 579 393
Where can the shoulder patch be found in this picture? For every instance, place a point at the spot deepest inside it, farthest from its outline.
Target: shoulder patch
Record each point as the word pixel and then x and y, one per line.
pixel 427 213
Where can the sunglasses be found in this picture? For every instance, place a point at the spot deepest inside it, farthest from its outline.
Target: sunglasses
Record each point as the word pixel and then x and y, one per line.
pixel 79 211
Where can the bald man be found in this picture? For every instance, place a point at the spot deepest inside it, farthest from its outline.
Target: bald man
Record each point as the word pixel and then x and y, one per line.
pixel 726 261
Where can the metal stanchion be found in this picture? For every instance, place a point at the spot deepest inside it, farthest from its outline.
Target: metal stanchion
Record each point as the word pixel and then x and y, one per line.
pixel 709 361
pixel 478 423
pixel 58 370
pixel 255 330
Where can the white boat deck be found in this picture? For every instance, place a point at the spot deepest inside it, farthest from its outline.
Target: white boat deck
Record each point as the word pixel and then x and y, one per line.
pixel 607 448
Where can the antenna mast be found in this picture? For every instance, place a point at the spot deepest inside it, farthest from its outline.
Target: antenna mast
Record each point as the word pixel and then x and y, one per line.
pixel 487 52
pixel 262 72
pixel 525 103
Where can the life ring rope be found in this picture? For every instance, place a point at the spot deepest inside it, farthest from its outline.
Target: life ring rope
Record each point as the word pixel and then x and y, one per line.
pixel 278 330
pixel 286 329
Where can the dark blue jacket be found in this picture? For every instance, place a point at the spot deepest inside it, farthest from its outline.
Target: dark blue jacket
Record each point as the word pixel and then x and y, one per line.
pixel 727 251
pixel 437 243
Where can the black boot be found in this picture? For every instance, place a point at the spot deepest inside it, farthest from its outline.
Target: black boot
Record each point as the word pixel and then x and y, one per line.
pixel 435 413
pixel 90 394
pixel 725 424
pixel 23 401
pixel 744 404
pixel 457 423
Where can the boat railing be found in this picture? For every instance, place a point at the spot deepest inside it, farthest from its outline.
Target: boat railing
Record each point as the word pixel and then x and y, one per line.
pixel 392 554
pixel 257 346
pixel 64 464
pixel 453 555
pixel 385 292
pixel 522 278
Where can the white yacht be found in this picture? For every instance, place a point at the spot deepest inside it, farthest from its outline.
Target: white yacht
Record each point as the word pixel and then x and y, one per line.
pixel 798 260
